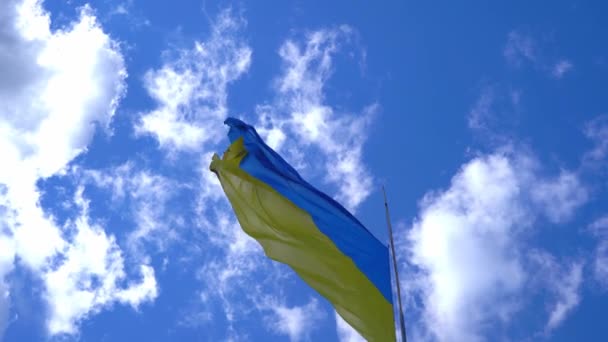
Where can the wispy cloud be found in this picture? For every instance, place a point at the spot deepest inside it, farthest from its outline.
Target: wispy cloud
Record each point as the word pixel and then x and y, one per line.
pixel 301 111
pixel 597 131
pixel 599 228
pixel 563 281
pixel 146 196
pixel 482 109
pixel 122 8
pixel 495 114
pixel 522 48
pixel 88 279
pixel 600 264
pixel 191 87
pixel 561 68
pixel 559 197
pixel 235 266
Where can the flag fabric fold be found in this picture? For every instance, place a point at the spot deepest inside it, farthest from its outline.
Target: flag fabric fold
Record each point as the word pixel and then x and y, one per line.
pixel 300 226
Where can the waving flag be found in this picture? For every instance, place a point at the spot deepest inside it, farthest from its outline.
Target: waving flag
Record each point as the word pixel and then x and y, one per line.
pixel 304 228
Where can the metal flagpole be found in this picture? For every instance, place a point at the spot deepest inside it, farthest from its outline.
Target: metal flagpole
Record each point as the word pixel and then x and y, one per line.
pixel 390 235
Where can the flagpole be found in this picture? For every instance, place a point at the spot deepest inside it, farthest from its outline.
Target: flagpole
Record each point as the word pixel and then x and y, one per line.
pixel 392 243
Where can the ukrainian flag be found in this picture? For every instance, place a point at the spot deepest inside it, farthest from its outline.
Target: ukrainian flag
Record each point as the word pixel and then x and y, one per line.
pixel 304 228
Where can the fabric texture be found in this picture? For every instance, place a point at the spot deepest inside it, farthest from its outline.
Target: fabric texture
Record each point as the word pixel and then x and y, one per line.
pixel 300 226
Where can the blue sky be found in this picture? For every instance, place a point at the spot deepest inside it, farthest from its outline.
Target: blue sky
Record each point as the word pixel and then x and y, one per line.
pixel 488 125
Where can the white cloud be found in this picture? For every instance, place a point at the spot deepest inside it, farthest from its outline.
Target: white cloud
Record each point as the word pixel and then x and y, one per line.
pixel 191 89
pixel 57 87
pixel 459 235
pixel 72 79
pixel 345 332
pixel 89 276
pixel 137 293
pixel 296 322
pixel 68 81
pixel 300 111
pixel 475 226
pixel 561 68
